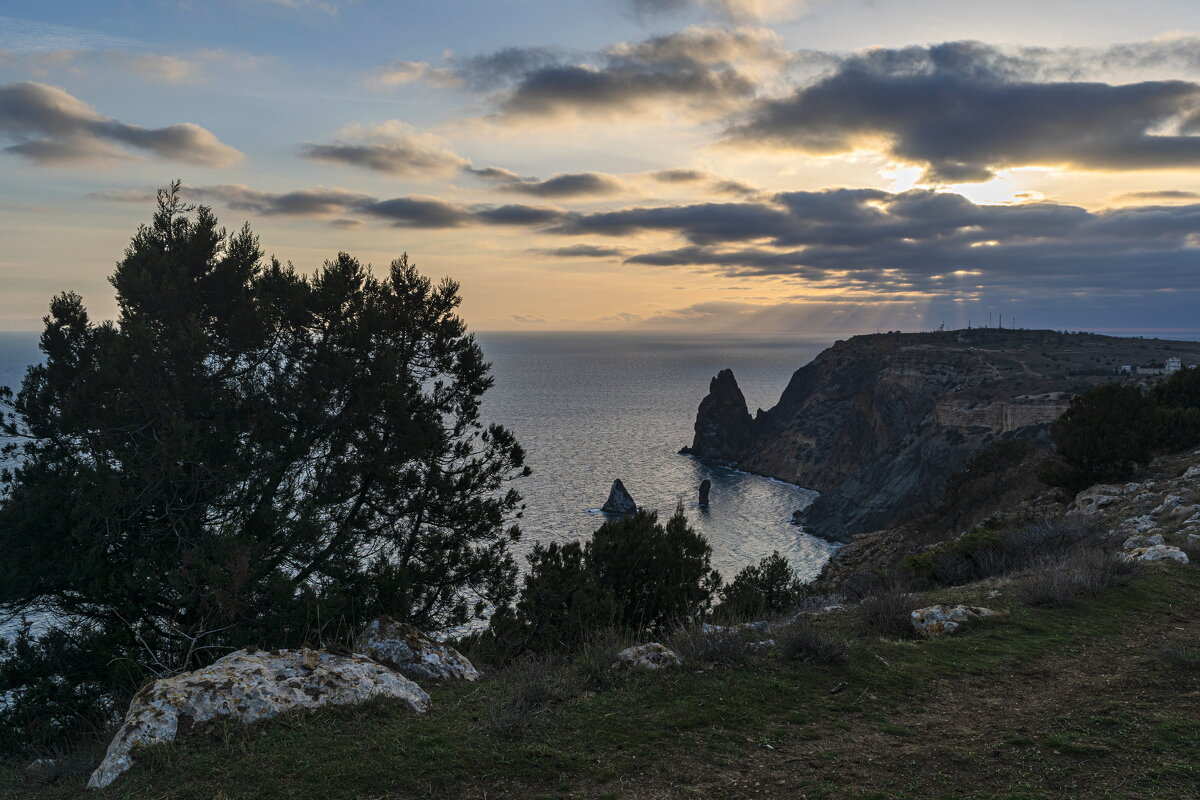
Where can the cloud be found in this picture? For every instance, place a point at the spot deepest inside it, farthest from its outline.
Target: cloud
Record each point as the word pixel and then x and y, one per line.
pixel 575 184
pixel 393 148
pixel 166 69
pixel 404 212
pixel 51 127
pixel 1160 194
pixel 581 251
pixel 738 10
pixel 330 7
pixel 868 240
pixel 963 110
pixel 400 73
pixel 702 70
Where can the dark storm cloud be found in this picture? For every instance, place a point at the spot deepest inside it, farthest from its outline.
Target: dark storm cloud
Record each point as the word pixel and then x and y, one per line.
pixel 708 69
pixel 923 241
pixel 575 184
pixel 963 110
pixel 51 127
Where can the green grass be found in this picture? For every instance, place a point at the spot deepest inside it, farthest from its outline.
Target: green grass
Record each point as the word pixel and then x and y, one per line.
pixel 1073 702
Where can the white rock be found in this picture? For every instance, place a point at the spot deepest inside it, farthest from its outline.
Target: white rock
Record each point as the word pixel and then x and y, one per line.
pixel 649 656
pixel 762 626
pixel 1192 472
pixel 404 648
pixel 249 685
pixel 1140 524
pixel 1134 542
pixel 1158 552
pixel 940 619
pixel 1169 503
pixel 1194 538
pixel 1090 501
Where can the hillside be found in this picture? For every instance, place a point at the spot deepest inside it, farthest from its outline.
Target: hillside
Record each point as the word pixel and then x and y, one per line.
pixel 878 423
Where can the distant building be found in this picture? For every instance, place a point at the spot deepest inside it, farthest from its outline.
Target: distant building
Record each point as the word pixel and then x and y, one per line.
pixel 1174 364
pixel 1126 369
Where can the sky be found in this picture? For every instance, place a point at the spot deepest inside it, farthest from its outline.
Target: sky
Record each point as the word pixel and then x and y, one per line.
pixel 690 165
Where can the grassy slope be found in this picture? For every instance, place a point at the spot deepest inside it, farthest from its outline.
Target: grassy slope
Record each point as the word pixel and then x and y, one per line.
pixel 1048 703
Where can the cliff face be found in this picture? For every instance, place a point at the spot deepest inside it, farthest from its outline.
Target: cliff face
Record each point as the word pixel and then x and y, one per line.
pixel 878 423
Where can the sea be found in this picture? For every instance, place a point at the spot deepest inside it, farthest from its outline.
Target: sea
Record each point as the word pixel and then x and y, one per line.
pixel 589 408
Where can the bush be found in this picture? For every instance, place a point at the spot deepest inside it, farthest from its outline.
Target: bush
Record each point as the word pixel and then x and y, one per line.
pixel 765 589
pixel 634 574
pixel 532 685
pixel 1181 656
pixel 728 647
pixel 1066 579
pixel 887 612
pixel 987 552
pixel 801 640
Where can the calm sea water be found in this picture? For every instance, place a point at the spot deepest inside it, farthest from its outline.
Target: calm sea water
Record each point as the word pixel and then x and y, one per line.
pixel 589 408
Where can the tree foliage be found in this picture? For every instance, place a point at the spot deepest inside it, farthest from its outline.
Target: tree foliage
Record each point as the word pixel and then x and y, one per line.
pixel 247 452
pixel 635 573
pixel 1102 436
pixel 766 588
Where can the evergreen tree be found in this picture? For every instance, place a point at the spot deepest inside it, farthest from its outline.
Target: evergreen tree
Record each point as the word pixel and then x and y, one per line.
pixel 248 451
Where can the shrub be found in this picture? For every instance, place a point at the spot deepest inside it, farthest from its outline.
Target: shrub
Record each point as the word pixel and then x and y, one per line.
pixel 801 640
pixel 986 552
pixel 887 612
pixel 764 589
pixel 1181 656
pixel 634 574
pixel 1066 579
pixel 531 685
pixel 729 647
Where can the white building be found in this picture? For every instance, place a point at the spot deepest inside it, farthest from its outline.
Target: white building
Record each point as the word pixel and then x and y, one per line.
pixel 1174 364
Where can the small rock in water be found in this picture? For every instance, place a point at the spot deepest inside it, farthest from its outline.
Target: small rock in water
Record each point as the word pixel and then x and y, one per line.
pixel 619 500
pixel 705 487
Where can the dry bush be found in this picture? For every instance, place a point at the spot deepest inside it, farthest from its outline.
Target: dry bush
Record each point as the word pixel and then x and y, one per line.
pixel 532 686
pixel 730 648
pixel 1180 656
pixel 1065 579
pixel 887 612
pixel 801 640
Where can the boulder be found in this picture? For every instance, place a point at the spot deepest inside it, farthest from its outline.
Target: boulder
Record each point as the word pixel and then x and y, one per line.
pixel 649 656
pixel 408 651
pixel 1192 472
pixel 1134 542
pixel 940 619
pixel 762 626
pixel 1158 552
pixel 249 685
pixel 1140 524
pixel 619 500
pixel 1092 500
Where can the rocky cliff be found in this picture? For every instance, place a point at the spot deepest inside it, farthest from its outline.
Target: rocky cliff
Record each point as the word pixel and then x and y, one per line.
pixel 878 423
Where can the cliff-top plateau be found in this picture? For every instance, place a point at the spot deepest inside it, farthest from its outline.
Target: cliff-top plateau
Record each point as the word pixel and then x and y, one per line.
pixel 878 423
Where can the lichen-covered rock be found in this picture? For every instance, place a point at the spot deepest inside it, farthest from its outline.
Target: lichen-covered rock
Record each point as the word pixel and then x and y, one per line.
pixel 1136 541
pixel 1097 497
pixel 409 651
pixel 762 626
pixel 940 619
pixel 1158 552
pixel 649 656
pixel 1140 524
pixel 249 685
